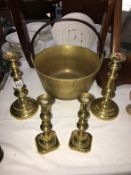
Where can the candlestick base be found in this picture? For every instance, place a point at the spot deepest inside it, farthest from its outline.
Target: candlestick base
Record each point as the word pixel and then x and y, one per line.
pixel 104 111
pixel 47 143
pixel 24 109
pixel 80 141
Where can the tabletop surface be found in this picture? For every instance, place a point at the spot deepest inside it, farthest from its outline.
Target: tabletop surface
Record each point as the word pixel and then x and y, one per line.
pixel 111 146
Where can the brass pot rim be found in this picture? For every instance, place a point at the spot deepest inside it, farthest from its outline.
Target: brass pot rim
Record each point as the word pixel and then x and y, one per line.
pixel 71 79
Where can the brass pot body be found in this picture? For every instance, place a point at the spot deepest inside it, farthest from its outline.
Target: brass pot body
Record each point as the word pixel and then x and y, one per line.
pixel 67 71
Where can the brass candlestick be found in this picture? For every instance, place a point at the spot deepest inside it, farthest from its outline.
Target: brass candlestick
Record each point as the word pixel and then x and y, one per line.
pixel 81 140
pixel 104 107
pixel 46 141
pixel 24 107
pixel 128 107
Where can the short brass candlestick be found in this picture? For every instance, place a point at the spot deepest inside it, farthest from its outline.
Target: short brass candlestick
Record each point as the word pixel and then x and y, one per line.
pixel 81 140
pixel 46 141
pixel 128 107
pixel 105 108
pixel 24 107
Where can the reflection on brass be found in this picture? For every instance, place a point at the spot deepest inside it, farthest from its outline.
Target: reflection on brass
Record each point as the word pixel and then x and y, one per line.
pixel 46 141
pixel 67 71
pixel 81 140
pixel 24 107
pixel 104 107
pixel 128 107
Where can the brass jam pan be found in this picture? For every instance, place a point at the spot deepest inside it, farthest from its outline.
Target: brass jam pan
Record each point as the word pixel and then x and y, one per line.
pixel 67 71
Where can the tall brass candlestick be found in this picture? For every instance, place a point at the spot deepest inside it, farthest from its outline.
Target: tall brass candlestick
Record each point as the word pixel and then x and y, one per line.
pixel 80 140
pixel 24 107
pixel 46 141
pixel 105 108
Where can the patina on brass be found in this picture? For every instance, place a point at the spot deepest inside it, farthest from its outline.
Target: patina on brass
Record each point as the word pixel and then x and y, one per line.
pixel 81 140
pixel 46 141
pixel 105 108
pixel 128 107
pixel 24 107
pixel 67 71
